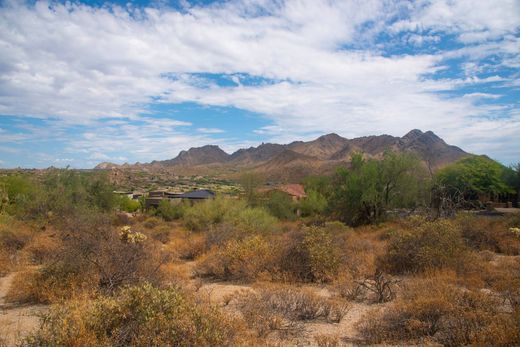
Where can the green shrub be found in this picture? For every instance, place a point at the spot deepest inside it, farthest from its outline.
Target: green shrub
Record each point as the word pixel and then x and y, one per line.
pixel 136 316
pixel 251 220
pixel 203 216
pixel 313 204
pixel 169 211
pixel 431 245
pixel 129 205
pixel 280 205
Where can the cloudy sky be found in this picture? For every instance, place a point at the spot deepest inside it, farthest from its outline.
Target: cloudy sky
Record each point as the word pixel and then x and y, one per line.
pixel 85 82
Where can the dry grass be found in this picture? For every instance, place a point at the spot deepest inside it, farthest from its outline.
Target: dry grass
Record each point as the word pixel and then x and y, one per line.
pixel 435 309
pixel 282 309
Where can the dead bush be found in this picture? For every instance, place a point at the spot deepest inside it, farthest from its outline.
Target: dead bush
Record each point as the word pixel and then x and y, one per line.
pixel 324 340
pixel 42 248
pixel 282 309
pixel 161 233
pixel 14 236
pixel 435 309
pixel 93 253
pixel 483 233
pixel 432 245
pixel 135 316
pixel 48 285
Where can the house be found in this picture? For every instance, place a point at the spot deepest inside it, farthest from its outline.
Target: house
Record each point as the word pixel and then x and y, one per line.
pixel 154 198
pixel 296 191
pixel 199 194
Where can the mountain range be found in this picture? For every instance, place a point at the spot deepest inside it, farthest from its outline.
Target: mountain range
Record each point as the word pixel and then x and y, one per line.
pixel 293 161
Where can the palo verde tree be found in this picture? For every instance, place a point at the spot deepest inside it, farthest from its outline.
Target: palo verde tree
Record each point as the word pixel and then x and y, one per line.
pixel 474 177
pixel 366 190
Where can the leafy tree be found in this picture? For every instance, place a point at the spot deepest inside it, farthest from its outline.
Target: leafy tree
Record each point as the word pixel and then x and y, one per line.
pixel 369 187
pixel 512 176
pixel 473 177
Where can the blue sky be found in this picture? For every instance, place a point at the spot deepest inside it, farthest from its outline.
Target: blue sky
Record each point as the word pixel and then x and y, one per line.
pixel 92 81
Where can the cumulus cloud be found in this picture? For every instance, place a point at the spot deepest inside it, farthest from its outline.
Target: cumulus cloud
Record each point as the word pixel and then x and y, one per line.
pixel 322 64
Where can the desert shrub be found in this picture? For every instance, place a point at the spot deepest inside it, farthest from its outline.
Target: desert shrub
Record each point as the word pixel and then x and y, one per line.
pixel 434 309
pixel 161 234
pixel 313 204
pixel 115 256
pixel 280 205
pixel 483 233
pixel 169 211
pixel 245 260
pixel 128 205
pixel 283 308
pixel 252 220
pixel 42 248
pixel 311 255
pixel 14 236
pixel 49 284
pixel 201 215
pixel 151 222
pixel 205 215
pixel 136 316
pixel 432 245
pixel 187 245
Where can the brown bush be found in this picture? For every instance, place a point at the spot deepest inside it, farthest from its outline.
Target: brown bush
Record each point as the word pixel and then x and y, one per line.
pixel 435 309
pixel 432 245
pixel 48 285
pixel 14 236
pixel 161 233
pixel 135 316
pixel 282 309
pixel 483 233
pixel 244 260
pixel 151 222
pixel 310 255
pixel 43 247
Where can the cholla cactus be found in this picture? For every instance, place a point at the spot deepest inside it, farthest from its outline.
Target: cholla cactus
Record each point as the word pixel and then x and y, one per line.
pixel 515 231
pixel 129 236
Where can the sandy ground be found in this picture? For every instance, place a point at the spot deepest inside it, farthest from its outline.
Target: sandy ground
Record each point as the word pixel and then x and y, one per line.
pixel 16 321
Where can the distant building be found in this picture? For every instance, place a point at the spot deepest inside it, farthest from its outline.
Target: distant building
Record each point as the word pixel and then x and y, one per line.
pixel 154 198
pixel 295 191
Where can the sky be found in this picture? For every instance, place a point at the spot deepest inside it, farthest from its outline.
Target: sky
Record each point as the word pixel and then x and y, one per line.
pixel 83 82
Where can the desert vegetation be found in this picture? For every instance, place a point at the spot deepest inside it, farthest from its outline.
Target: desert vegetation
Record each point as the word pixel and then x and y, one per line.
pixel 365 259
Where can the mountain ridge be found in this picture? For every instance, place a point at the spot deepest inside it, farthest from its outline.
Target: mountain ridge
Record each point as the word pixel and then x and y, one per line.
pixel 305 157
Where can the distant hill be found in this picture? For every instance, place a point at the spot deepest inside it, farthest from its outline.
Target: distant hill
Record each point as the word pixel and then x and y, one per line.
pixel 290 162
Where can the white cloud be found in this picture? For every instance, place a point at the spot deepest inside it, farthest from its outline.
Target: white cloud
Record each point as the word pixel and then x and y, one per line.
pixel 82 64
pixel 210 130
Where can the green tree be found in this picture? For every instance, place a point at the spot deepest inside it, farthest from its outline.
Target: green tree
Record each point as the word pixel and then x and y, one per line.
pixel 250 182
pixel 473 177
pixel 368 188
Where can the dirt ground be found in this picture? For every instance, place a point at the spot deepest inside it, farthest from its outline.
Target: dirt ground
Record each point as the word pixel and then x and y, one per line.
pixel 16 321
